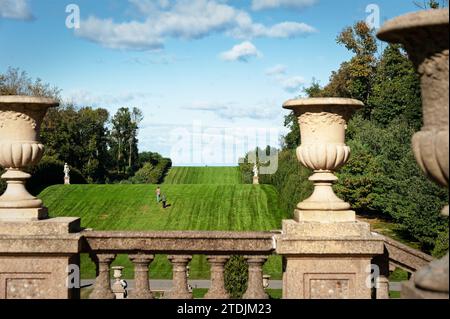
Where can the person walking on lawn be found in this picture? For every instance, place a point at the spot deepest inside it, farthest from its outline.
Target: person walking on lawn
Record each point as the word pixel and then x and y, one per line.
pixel 158 195
pixel 164 200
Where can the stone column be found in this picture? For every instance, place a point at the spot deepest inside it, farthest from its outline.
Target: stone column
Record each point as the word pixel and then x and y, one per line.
pixel 217 290
pixel 180 288
pixel 255 288
pixel 425 37
pixel 39 256
pixel 327 251
pixel 102 286
pixel 141 280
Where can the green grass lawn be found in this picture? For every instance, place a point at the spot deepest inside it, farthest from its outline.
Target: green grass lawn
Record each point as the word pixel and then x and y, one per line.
pixel 203 175
pixel 193 207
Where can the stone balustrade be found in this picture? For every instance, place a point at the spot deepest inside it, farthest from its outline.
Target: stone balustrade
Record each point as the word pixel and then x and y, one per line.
pixel 180 247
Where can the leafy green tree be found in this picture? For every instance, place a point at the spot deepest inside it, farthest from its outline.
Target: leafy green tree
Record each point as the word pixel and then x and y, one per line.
pixel 154 171
pixel 354 78
pixel 383 178
pixel 124 139
pixel 78 137
pixel 290 180
pixel 136 118
pixel 396 90
pixel 16 82
pixel 120 135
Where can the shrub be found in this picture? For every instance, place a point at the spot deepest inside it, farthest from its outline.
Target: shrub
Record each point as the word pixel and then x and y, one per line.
pixel 151 173
pixel 441 247
pixel 236 276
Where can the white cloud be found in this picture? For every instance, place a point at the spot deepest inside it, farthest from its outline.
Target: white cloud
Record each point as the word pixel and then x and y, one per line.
pixel 111 102
pixel 271 4
pixel 230 111
pixel 150 6
pixel 182 19
pixel 132 35
pixel 293 84
pixel 247 30
pixel 15 9
pixel 276 70
pixel 241 52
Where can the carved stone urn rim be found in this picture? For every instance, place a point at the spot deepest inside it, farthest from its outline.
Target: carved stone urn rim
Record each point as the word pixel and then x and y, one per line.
pixel 407 23
pixel 307 103
pixel 39 102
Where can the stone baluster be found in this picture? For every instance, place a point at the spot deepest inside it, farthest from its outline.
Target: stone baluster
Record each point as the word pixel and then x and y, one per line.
pixel 180 288
pixel 255 288
pixel 102 286
pixel 217 290
pixel 141 280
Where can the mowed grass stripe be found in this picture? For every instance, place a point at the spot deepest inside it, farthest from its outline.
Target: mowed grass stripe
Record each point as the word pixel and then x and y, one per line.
pixel 194 207
pixel 203 175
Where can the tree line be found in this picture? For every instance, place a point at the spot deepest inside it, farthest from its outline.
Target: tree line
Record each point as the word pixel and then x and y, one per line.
pixel 100 148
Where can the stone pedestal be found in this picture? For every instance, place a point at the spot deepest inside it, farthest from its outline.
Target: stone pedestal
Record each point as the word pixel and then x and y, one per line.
pixel 327 260
pixel 66 180
pixel 39 259
pixel 25 214
pixel 255 180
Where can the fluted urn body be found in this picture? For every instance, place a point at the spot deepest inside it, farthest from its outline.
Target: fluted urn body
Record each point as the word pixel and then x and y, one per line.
pixel 20 146
pixel 425 36
pixel 323 123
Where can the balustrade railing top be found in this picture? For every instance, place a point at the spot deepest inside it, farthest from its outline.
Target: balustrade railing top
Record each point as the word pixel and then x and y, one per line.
pixel 189 242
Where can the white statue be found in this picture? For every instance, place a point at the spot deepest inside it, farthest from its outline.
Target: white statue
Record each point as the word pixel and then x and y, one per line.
pixel 255 171
pixel 255 175
pixel 66 174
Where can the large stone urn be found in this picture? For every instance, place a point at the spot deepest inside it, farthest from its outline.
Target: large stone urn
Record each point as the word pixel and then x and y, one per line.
pixel 425 36
pixel 20 123
pixel 323 122
pixel 326 250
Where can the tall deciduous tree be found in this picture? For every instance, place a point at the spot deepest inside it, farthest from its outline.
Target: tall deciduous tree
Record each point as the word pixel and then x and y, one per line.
pixel 133 156
pixel 124 140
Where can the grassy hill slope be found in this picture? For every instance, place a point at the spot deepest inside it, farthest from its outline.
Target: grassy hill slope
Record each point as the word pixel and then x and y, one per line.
pixel 193 207
pixel 203 175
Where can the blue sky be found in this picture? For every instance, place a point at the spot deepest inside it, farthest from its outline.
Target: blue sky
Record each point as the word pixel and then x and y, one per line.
pixel 208 74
